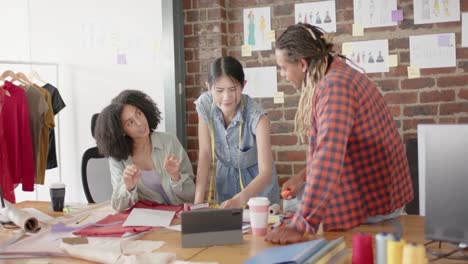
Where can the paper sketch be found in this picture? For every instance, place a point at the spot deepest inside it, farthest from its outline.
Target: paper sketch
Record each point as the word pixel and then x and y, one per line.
pixel 436 11
pixel 374 13
pixel 321 14
pixel 370 56
pixel 433 51
pixel 257 21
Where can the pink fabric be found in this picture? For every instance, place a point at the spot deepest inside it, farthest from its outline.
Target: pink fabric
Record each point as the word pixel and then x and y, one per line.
pixel 5 178
pixel 118 230
pixel 17 136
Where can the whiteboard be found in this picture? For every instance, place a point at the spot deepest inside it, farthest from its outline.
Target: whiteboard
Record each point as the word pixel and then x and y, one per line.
pixel 102 47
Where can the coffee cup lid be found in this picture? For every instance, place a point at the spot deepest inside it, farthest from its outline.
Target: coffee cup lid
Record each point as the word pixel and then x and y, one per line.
pixel 258 201
pixel 57 185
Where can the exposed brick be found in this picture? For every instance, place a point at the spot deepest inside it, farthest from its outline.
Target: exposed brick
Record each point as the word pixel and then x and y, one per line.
pixel 447 120
pixel 193 67
pixel 418 110
pixel 344 4
pixel 188 54
pixel 216 14
pixel 207 28
pixel 463 65
pixel 187 4
pixel 438 71
pixel 292 101
pixel 235 40
pixel 192 131
pixel 290 114
pixel 208 3
pixel 193 92
pixel 287 89
pixel 235 14
pixel 192 15
pixel 283 10
pixel 398 71
pixel 408 136
pixel 463 120
pixel 284 140
pixel 291 155
pixel 402 43
pixel 388 85
pixel 192 144
pixel 282 128
pixel 450 81
pixel 189 79
pixel 417 83
pixel 401 97
pixel 395 110
pixel 344 15
pixel 275 115
pixel 463 94
pixel 404 58
pixel 188 30
pixel 236 27
pixel 453 108
pixel 193 155
pixel 281 22
pixel 462 53
pixel 284 168
pixel 413 123
pixel 437 96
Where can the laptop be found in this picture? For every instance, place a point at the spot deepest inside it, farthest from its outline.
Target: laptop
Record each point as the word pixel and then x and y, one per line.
pixel 443 183
pixel 209 227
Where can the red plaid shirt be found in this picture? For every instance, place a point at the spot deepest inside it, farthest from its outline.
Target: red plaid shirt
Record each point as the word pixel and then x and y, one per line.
pixel 356 163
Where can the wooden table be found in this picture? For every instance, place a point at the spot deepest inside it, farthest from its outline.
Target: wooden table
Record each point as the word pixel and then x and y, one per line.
pixel 413 231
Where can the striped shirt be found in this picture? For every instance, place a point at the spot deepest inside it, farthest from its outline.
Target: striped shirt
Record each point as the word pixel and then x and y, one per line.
pixel 356 164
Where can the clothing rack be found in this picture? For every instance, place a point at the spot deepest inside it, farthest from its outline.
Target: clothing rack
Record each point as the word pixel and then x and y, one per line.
pixel 57 67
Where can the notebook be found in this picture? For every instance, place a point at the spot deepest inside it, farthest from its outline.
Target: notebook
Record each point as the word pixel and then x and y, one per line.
pixel 296 253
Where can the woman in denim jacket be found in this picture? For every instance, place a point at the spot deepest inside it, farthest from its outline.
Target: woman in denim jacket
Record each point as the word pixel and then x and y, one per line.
pixel 235 130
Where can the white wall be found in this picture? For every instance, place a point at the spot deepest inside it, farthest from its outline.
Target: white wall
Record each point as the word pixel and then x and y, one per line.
pixel 85 38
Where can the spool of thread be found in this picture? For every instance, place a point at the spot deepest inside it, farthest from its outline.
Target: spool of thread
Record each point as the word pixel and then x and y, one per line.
pixel 395 251
pixel 362 249
pixel 414 254
pixel 381 247
pixel 274 209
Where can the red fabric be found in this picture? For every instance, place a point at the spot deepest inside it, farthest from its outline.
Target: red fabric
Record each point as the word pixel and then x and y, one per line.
pixel 17 136
pixel 356 163
pixel 6 181
pixel 118 230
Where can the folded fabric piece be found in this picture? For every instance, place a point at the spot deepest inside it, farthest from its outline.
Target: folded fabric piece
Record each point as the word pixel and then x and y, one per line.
pixel 119 251
pixel 118 230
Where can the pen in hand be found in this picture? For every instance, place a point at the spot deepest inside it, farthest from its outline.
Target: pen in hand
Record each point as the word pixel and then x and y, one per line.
pixel 82 219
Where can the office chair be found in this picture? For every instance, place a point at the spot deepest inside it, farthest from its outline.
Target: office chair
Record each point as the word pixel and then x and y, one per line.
pixel 412 155
pixel 95 173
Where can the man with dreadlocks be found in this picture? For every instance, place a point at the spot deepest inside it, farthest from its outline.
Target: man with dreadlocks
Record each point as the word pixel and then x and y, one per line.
pixel 357 171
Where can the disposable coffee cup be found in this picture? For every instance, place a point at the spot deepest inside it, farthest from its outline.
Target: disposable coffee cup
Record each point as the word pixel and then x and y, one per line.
pixel 258 208
pixel 57 196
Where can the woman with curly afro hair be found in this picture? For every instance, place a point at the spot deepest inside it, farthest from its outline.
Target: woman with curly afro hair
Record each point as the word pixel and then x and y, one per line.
pixel 144 164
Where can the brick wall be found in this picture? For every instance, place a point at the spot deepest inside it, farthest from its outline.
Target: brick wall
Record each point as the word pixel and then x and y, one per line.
pixel 214 28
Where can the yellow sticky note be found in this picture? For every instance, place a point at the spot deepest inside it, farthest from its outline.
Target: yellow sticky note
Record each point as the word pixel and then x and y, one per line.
pixel 270 36
pixel 358 30
pixel 278 98
pixel 347 48
pixel 246 50
pixel 413 72
pixel 392 60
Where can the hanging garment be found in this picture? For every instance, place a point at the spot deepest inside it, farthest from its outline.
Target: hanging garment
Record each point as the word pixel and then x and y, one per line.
pixel 57 105
pixel 17 135
pixel 47 124
pixel 37 106
pixel 6 182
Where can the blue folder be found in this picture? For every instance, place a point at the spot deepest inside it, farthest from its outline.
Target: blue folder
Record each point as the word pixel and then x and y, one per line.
pixel 295 254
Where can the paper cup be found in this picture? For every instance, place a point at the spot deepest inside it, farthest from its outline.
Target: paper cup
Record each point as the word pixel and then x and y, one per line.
pixel 258 208
pixel 57 196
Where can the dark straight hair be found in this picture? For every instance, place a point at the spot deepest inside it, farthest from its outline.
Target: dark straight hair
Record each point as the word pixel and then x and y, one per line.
pixel 226 66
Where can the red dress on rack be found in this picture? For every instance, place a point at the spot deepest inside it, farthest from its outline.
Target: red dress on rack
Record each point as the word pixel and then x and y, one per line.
pixel 6 181
pixel 17 137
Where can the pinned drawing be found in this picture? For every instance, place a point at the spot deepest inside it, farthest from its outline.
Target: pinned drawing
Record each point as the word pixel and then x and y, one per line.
pixel 374 13
pixel 433 51
pixel 321 14
pixel 436 11
pixel 257 22
pixel 363 56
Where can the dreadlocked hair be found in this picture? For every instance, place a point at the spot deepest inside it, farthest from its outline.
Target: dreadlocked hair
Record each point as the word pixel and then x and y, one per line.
pixel 304 41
